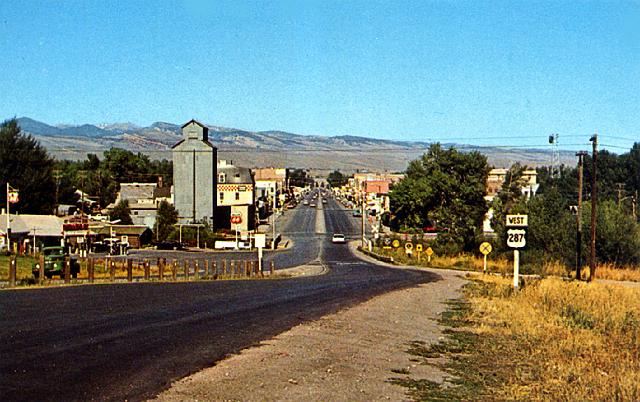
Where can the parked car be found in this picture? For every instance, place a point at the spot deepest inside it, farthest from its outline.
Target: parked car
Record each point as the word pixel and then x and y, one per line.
pixel 170 245
pixel 54 260
pixel 338 238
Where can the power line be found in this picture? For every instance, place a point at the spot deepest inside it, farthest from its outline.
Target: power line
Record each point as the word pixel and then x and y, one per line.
pixel 315 150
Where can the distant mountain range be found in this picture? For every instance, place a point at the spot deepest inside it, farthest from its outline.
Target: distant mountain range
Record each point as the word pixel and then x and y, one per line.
pixel 263 148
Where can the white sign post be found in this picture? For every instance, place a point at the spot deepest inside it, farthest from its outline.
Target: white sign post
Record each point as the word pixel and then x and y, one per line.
pixel 236 219
pixel 516 239
pixel 260 241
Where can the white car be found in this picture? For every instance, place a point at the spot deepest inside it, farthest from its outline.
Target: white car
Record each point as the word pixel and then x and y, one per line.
pixel 338 238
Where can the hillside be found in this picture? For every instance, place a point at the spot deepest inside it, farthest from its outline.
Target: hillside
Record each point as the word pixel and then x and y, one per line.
pixel 263 148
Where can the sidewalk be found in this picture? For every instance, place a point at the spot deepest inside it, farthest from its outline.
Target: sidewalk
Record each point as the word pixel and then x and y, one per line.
pixel 347 356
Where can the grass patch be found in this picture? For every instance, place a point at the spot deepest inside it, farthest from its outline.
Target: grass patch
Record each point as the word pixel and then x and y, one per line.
pixel 552 340
pixel 457 347
pixel 23 267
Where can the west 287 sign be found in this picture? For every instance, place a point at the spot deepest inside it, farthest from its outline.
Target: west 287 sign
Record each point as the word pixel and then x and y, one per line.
pixel 516 238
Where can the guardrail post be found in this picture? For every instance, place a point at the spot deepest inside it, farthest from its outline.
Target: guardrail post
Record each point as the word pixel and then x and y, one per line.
pixel 272 267
pixel 41 272
pixel 129 270
pixel 196 270
pixel 67 270
pixel 147 269
pixel 13 269
pixel 214 269
pixel 91 269
pixel 174 270
pixel 161 268
pixel 233 268
pixel 112 270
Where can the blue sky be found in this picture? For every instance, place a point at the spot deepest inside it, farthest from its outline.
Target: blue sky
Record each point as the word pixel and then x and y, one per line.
pixel 491 72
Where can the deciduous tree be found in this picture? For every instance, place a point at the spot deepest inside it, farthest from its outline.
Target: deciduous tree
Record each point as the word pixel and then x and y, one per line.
pixel 445 187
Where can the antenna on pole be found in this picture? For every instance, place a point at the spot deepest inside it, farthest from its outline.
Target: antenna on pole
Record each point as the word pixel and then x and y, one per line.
pixel 555 156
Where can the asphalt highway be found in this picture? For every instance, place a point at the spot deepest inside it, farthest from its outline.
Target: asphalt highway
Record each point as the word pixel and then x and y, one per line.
pixel 130 341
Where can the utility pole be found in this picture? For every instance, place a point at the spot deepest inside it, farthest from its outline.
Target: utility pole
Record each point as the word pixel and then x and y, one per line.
pixel 57 174
pixel 273 218
pixel 33 246
pixel 594 207
pixel 8 221
pixel 620 190
pixel 580 156
pixel 364 200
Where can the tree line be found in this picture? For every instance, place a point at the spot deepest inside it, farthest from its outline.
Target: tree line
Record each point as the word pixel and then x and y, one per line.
pixel 45 182
pixel 445 189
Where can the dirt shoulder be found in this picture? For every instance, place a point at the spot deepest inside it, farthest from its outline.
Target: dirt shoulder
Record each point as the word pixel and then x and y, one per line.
pixel 348 355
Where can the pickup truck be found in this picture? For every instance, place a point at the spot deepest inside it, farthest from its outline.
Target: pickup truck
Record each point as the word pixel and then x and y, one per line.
pixel 54 258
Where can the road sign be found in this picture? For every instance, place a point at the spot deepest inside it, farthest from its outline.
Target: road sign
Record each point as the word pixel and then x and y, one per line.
pixel 485 248
pixel 516 238
pixel 517 221
pixel 260 240
pixel 395 243
pixel 236 219
pixel 418 247
pixel 408 246
pixel 429 251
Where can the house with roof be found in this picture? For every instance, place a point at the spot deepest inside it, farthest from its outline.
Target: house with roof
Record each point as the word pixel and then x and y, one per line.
pixel 235 196
pixel 376 195
pixel 143 199
pixel 195 175
pixel 270 182
pixel 136 236
pixel 46 230
pixel 495 180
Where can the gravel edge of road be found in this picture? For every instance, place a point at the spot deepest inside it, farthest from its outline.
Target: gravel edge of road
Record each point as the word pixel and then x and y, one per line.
pixel 348 355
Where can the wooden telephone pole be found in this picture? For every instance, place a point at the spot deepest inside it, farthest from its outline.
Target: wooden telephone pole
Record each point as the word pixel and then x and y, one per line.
pixel 581 156
pixel 594 207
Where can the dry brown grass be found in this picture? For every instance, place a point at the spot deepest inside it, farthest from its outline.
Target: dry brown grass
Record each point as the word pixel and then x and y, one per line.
pixel 563 340
pixel 616 273
pixel 504 266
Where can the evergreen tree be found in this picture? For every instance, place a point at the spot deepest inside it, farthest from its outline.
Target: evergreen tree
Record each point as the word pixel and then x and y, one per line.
pixel 165 219
pixel 26 165
pixel 122 212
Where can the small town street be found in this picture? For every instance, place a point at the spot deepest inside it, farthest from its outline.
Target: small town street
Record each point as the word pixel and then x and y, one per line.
pixel 131 341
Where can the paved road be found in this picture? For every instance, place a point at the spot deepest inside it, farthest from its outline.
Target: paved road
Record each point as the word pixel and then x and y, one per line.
pixel 129 341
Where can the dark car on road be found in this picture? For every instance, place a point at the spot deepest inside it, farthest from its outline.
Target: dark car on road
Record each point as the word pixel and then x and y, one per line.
pixel 170 245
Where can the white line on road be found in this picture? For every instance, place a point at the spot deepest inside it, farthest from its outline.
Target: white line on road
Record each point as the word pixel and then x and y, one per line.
pixel 321 228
